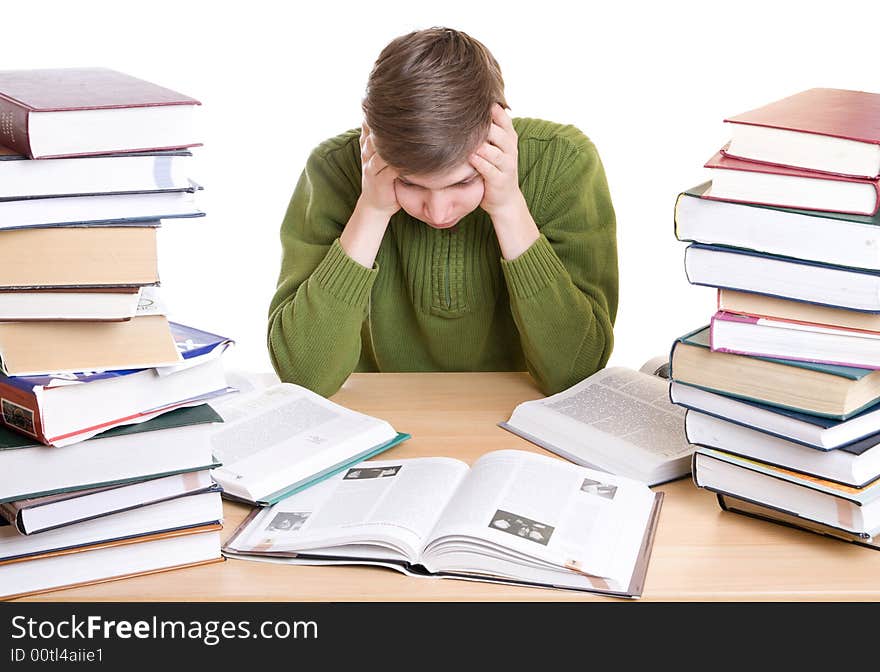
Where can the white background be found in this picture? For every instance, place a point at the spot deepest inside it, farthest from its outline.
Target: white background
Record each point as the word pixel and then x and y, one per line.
pixel 649 83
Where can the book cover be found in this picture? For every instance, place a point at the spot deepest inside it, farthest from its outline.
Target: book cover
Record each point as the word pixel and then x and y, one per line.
pixel 25 92
pixel 839 113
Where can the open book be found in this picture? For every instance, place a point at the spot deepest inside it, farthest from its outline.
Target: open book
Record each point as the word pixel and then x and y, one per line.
pixel 618 420
pixel 512 517
pixel 279 439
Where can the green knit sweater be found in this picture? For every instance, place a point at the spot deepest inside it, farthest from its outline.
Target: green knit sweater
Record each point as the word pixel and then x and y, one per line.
pixel 445 300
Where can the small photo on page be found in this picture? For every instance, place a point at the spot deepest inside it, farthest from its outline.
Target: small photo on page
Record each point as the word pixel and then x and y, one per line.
pixel 360 473
pixel 289 521
pixel 598 488
pixel 521 527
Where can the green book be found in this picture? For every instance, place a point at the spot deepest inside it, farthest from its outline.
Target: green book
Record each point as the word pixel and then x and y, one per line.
pixel 827 237
pixel 172 443
pixel 826 390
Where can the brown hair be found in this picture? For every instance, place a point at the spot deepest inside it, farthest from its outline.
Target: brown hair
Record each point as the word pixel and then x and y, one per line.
pixel 429 98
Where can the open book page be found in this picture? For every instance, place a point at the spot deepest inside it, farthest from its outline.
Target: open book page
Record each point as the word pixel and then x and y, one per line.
pixel 549 513
pixel 381 509
pixel 618 420
pixel 277 436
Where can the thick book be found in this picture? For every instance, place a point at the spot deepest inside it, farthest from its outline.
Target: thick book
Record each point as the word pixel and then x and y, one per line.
pixel 172 443
pixel 855 464
pixel 62 409
pixel 618 420
pixel 513 517
pixel 831 130
pixel 783 277
pixel 826 237
pixel 760 305
pixel 39 514
pixel 792 520
pixel 109 561
pixel 279 440
pixel 41 348
pixel 811 430
pixel 186 511
pixel 829 390
pixel 74 257
pixel 109 174
pixel 78 111
pixel 99 209
pixel 103 304
pixel 850 508
pixel 749 182
pixel 768 337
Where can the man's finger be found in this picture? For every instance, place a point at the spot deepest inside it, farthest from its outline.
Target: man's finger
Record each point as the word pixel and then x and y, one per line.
pixel 502 139
pixel 486 169
pixel 502 118
pixel 492 154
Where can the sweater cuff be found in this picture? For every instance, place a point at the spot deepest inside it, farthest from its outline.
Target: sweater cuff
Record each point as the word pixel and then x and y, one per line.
pixel 343 277
pixel 533 270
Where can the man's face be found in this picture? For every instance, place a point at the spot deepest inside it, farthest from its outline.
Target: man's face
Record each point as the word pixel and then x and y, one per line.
pixel 441 199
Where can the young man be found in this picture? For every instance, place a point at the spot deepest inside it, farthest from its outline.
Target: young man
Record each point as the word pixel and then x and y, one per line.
pixel 444 235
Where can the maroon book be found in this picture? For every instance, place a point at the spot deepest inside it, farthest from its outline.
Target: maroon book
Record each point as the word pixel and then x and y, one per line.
pixel 828 130
pixel 27 97
pixel 852 115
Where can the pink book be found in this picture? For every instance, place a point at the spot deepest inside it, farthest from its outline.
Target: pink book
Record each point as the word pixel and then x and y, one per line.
pixel 742 181
pixel 786 339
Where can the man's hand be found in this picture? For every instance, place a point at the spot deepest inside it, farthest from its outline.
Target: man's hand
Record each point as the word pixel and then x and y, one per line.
pixel 366 227
pixel 497 161
pixel 377 178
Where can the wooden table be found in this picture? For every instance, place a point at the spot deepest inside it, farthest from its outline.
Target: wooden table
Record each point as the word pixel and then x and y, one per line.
pixel 700 553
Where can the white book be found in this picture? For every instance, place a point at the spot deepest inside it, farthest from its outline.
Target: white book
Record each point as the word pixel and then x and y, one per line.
pixel 181 512
pixel 39 212
pixel 46 304
pixel 110 173
pixel 852 509
pixel 513 516
pixel 282 438
pixel 617 420
pixel 730 268
pixel 843 466
pixel 843 240
pixel 105 562
pixel 39 514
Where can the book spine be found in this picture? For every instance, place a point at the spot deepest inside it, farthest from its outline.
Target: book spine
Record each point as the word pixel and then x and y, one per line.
pixel 14 127
pixel 20 412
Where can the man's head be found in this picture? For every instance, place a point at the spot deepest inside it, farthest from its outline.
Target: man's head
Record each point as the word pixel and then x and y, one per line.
pixel 429 99
pixel 428 107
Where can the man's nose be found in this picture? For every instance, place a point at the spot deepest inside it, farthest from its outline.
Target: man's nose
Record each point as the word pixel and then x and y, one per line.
pixel 438 207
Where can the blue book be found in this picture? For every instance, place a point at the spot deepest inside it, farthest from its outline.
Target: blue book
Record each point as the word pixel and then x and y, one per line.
pixel 70 407
pixel 855 434
pixel 828 390
pixel 784 277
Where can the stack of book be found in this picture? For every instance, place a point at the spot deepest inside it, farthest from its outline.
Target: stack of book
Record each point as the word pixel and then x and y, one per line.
pixel 105 450
pixel 783 387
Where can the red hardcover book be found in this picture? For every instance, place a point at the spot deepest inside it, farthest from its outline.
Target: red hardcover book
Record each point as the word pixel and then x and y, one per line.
pixel 87 111
pixel 744 181
pixel 830 130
